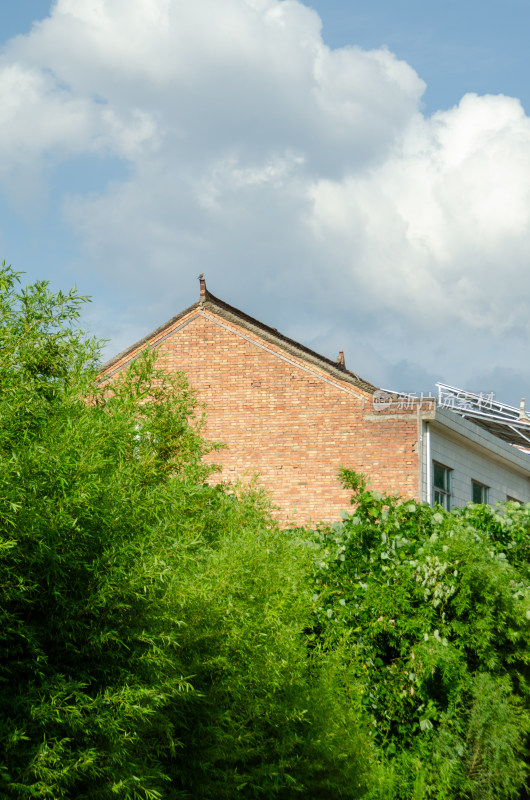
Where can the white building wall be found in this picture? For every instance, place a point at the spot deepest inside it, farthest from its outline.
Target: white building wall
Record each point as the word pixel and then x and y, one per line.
pixel 473 454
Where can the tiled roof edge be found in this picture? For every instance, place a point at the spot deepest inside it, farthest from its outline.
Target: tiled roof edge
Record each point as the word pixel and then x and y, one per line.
pixel 213 303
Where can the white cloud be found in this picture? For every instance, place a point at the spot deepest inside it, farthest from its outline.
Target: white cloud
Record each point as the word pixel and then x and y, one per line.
pixel 230 74
pixel 442 228
pixel 302 180
pixel 37 116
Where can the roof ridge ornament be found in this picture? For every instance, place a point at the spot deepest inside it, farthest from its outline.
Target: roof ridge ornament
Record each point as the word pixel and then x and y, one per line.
pixel 202 293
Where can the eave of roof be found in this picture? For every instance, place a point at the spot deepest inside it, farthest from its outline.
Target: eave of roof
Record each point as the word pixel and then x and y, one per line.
pixel 218 307
pixel 483 437
pixel 515 433
pixel 500 419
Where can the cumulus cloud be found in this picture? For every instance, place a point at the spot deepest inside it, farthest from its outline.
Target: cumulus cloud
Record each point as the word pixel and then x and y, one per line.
pixel 443 223
pixel 304 181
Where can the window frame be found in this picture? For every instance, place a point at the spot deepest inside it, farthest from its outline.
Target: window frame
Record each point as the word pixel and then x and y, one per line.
pixel 484 490
pixel 442 494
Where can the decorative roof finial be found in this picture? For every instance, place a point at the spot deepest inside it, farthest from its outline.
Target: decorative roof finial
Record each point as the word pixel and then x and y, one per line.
pixel 340 360
pixel 202 294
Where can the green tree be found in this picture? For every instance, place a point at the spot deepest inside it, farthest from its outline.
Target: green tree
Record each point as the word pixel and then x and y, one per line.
pixel 151 625
pixel 90 667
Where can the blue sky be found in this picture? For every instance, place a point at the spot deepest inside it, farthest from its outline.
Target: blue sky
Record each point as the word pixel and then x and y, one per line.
pixel 456 46
pixel 355 174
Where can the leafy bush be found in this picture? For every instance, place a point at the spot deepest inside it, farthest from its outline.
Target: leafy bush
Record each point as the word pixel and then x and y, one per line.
pixel 438 605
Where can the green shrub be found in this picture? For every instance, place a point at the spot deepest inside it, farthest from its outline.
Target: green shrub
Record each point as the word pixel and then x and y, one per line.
pixel 438 605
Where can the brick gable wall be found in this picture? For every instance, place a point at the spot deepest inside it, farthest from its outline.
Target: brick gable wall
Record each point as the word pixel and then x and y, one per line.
pixel 287 419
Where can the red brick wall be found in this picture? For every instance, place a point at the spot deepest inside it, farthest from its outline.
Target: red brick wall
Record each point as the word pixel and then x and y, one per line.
pixel 290 421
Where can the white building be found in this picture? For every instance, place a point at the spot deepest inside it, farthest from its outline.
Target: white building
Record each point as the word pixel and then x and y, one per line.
pixel 474 450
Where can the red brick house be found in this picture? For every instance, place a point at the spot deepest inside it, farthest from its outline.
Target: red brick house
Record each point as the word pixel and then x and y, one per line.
pixel 294 416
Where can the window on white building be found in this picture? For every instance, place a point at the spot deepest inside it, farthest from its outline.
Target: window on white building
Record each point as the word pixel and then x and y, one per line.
pixel 479 492
pixel 442 485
